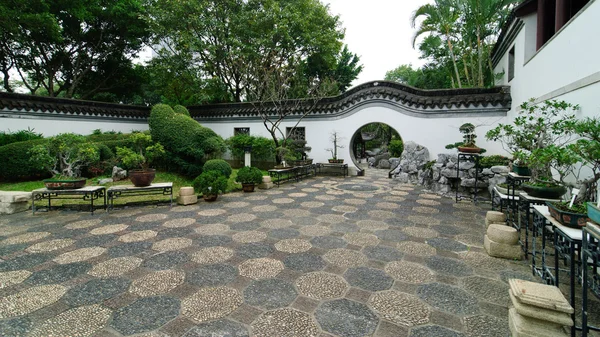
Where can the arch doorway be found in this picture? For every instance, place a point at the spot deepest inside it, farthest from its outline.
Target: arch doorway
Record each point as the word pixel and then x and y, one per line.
pixel 373 143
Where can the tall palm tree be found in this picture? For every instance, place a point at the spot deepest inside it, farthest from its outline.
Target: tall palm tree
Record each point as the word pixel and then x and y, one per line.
pixel 439 19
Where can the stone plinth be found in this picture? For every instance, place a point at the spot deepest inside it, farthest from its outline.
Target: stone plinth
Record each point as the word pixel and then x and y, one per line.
pixel 266 183
pixel 14 202
pixel 186 191
pixel 495 217
pixel 502 250
pixel 503 234
pixel 187 199
pixel 521 326
pixel 540 295
pixel 543 314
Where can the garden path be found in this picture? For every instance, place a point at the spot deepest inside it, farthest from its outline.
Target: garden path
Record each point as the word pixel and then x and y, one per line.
pixel 327 256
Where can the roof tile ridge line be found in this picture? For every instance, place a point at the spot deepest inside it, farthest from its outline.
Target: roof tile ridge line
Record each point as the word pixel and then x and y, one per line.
pixel 32 99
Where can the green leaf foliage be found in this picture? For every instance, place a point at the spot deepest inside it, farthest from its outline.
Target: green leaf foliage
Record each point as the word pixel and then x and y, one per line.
pixel 18 136
pixel 16 163
pixel 65 154
pixel 184 139
pixel 180 109
pixel 396 147
pixel 263 149
pixel 249 175
pixel 218 165
pixel 210 182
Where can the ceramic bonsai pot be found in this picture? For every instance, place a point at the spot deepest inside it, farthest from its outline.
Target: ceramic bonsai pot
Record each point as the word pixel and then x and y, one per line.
pixel 504 190
pixel 544 192
pixel 593 212
pixel 60 184
pixel 301 162
pixel 209 197
pixel 248 187
pixel 142 178
pixel 569 219
pixel 336 161
pixel 467 149
pixel 521 170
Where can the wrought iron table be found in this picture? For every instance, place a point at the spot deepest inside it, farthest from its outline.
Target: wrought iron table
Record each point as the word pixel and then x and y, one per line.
pixel 87 193
pixel 526 202
pixel 469 158
pixel 115 192
pixel 283 174
pixel 590 256
pixel 336 169
pixel 513 181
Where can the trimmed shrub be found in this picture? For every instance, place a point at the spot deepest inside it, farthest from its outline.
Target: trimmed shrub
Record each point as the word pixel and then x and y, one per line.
pixel 16 163
pixel 218 165
pixel 180 109
pixel 249 175
pixel 18 136
pixel 263 149
pixel 396 148
pixel 210 182
pixel 184 139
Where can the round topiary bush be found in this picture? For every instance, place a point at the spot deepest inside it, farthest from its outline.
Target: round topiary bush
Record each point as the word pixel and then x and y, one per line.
pixel 249 175
pixel 210 183
pixel 180 109
pixel 218 165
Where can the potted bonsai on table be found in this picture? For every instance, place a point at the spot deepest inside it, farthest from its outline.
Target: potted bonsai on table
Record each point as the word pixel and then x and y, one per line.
pixel 468 143
pixel 335 138
pixel 249 177
pixel 210 184
pixel 145 152
pixel 297 152
pixel 64 156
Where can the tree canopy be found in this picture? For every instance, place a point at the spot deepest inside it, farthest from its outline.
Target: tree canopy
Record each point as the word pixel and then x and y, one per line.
pixel 458 39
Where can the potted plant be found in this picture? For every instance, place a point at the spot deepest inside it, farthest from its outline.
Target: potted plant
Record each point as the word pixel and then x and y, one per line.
pixel 64 156
pixel 335 138
pixel 521 168
pixel 468 143
pixel 593 212
pixel 297 152
pixel 210 184
pixel 249 177
pixel 574 216
pixel 145 152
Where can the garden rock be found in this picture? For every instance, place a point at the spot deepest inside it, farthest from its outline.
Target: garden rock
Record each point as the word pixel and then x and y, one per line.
pixel 118 173
pixel 105 181
pixel 14 202
pixel 384 164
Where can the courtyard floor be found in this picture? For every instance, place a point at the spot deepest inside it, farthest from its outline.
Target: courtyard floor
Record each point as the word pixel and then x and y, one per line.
pixel 328 256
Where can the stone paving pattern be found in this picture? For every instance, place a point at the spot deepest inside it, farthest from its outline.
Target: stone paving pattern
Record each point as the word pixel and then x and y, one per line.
pixel 360 256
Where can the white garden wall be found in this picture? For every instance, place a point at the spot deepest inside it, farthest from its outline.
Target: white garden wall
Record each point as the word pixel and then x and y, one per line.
pixel 55 125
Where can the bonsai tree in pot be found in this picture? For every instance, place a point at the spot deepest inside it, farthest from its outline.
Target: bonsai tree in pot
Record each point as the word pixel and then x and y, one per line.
pixel 335 138
pixel 297 152
pixel 538 138
pixel 210 184
pixel 468 143
pixel 144 154
pixel 249 177
pixel 64 156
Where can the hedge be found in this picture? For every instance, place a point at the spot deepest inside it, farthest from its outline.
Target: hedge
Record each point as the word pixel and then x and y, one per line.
pixel 18 136
pixel 218 165
pixel 263 149
pixel 16 164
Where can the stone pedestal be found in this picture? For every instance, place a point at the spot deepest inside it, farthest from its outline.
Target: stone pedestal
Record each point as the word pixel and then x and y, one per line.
pixel 493 217
pixel 186 191
pixel 502 250
pixel 266 183
pixel 187 196
pixel 503 234
pixel 539 310
pixel 14 202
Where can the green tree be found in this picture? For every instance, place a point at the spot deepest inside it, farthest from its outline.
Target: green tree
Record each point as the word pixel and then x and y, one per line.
pixel 56 46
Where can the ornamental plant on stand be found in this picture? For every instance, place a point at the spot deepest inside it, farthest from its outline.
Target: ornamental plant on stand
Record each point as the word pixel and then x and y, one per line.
pixel 249 177
pixel 335 138
pixel 468 143
pixel 210 184
pixel 145 153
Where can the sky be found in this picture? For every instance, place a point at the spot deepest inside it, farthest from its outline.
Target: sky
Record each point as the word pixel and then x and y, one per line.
pixel 379 32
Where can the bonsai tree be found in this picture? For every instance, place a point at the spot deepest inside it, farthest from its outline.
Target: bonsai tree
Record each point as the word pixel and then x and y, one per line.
pixel 469 136
pixel 65 155
pixel 334 139
pixel 538 138
pixel 145 152
pixel 210 183
pixel 587 148
pixel 249 175
pixel 297 149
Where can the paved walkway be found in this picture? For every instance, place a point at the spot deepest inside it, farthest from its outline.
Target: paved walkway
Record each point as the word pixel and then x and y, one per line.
pixel 359 256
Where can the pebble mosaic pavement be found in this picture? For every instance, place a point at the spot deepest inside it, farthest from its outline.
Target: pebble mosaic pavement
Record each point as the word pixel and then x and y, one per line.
pixel 360 256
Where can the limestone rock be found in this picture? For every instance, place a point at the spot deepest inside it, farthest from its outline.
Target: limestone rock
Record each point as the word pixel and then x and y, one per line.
pixel 503 234
pixel 187 199
pixel 465 166
pixel 118 173
pixel 402 178
pixel 502 250
pixel 384 164
pixel 503 170
pixel 105 181
pixel 495 216
pixel 394 162
pixel 13 207
pixel 521 326
pixel 470 182
pixel 449 173
pixel 186 191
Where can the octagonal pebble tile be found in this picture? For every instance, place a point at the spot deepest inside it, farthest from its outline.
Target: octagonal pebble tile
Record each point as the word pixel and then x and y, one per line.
pixel 213 275
pixel 241 217
pixel 315 230
pixel 434 330
pixel 293 245
pixel 110 229
pixel 400 308
pixel 372 225
pixel 83 224
pixel 78 255
pixel 296 212
pixel 488 290
pixel 276 223
pixel 222 327
pixel 416 248
pixel 328 242
pixel 236 204
pixel 212 255
pixel 345 208
pixel 172 244
pixel 355 202
pixel 211 303
pixel 342 257
pixel 254 250
pixel 282 201
pixel 261 268
pixel 368 278
pixel 446 244
pixel 269 293
pixel 30 300
pixel 446 265
pixel 212 229
pixel 361 239
pixel 166 260
pixel 346 318
pixel 304 262
pixel 312 204
pixel 138 236
pixel 321 285
pixel 151 217
pixel 379 214
pixel 115 267
pixel 212 212
pixel 24 261
pixel 49 246
pixel 82 322
pixel 249 236
pixel 95 291
pixel 448 298
pixel 409 272
pixel 179 223
pixel 382 253
pixel 264 208
pixel 145 314
pixel 486 325
pixel 331 218
pixel 157 283
pixel 25 238
pixel 420 232
pixel 10 278
pixel 423 220
pixel 284 323
pixel 58 273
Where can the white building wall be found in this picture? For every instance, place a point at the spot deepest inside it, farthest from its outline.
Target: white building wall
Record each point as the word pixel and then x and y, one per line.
pixel 56 125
